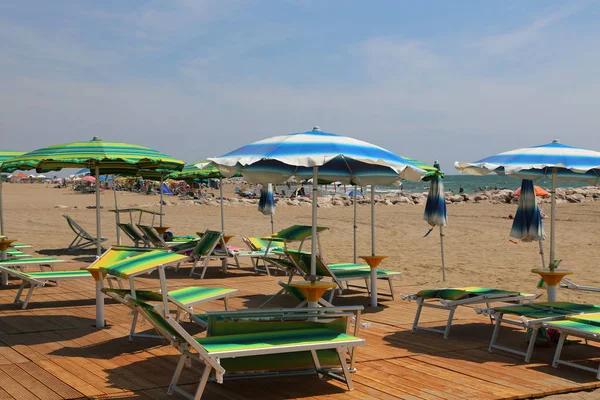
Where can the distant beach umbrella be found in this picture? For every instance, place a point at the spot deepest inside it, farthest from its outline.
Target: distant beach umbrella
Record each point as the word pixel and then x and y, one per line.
pixel 435 213
pixel 5 155
pixel 323 155
pixel 539 192
pixel 101 156
pixel 88 179
pixel 266 203
pixel 557 160
pixel 527 224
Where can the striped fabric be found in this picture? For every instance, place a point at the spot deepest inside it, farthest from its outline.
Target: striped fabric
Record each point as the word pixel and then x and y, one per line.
pixel 339 158
pixel 572 163
pixel 259 244
pixel 142 263
pixel 50 275
pixel 116 254
pixel 266 203
pixel 110 155
pixel 207 243
pixel 575 325
pixel 7 155
pixel 268 340
pixel 452 294
pixel 435 208
pixel 544 310
pixel 196 294
pixel 31 261
pixel 592 319
pixel 296 232
pixel 527 225
pixel 302 259
pixel 199 170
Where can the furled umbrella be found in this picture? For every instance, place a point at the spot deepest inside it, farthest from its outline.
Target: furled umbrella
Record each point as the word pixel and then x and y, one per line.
pixel 266 203
pixel 555 160
pixel 103 157
pixel 527 224
pixel 435 212
pixel 323 155
pixel 5 155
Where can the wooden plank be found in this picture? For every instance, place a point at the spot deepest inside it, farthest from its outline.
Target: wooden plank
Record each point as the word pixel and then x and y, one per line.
pixel 14 388
pixel 62 389
pixel 32 384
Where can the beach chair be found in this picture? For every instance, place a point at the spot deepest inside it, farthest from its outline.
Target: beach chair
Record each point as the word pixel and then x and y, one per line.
pixel 450 298
pixel 34 280
pixel 298 295
pixel 268 248
pixel 158 242
pixel 567 284
pixel 255 343
pixel 206 250
pixel 136 237
pixel 585 326
pixel 42 262
pixel 531 316
pixel 340 275
pixel 82 239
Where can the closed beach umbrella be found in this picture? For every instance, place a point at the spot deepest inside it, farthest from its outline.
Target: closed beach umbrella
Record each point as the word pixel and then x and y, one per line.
pixel 324 155
pixel 555 160
pixel 435 212
pixel 4 156
pixel 266 203
pixel 527 224
pixel 101 156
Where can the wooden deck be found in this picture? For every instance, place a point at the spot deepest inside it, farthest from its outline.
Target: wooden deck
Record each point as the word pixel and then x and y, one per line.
pixel 52 351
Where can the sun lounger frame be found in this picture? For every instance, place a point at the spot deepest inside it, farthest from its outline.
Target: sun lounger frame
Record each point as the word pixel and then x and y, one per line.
pixel 82 239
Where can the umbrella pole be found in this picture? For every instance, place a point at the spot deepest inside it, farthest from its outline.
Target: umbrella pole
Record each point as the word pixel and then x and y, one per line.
pixel 551 289
pixel 354 224
pixel 272 226
pixel 117 218
pixel 373 269
pixel 313 239
pixel 99 294
pixel 1 212
pixel 222 209
pixel 161 200
pixel 443 260
pixel 542 254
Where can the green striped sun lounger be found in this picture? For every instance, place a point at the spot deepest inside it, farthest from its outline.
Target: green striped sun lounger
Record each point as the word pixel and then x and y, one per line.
pixel 262 343
pixel 354 272
pixel 450 298
pixel 586 326
pixel 21 263
pixel 531 316
pixel 206 250
pixel 15 253
pixel 38 279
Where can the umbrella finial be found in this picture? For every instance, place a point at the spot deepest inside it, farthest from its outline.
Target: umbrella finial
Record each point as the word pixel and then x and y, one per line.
pixel 316 128
pixel 96 139
pixel 556 141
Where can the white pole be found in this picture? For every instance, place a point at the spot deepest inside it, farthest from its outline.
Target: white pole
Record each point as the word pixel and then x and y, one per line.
pixel 373 270
pixel 542 254
pixel 272 225
pixel 117 217
pixel 161 199
pixel 1 212
pixel 553 216
pixel 99 305
pixel 98 229
pixel 4 278
pixel 313 239
pixel 354 224
pixel 222 209
pixel 443 261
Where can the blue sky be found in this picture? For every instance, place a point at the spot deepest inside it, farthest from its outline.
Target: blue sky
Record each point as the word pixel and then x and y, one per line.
pixel 446 80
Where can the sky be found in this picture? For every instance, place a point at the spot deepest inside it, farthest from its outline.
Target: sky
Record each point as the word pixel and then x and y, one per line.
pixel 432 80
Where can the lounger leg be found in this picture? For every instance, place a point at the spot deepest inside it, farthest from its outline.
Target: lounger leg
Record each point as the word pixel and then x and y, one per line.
pixel 449 323
pixel 203 380
pixel 342 357
pixel 315 358
pixel 392 288
pixel 193 267
pixel 18 297
pixel 534 332
pixel 28 297
pixel 177 373
pixel 226 301
pixel 205 267
pixel 496 331
pixel 133 325
pixel 559 347
pixel 271 298
pixel 418 314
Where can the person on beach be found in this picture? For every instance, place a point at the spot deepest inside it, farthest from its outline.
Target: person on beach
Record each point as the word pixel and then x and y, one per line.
pixel 460 189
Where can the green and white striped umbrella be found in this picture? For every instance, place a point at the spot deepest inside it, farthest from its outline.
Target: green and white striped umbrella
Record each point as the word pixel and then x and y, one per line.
pixel 4 156
pixel 101 156
pixel 198 170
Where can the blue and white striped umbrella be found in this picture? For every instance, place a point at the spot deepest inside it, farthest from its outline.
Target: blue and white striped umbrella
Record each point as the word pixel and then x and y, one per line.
pixel 435 213
pixel 527 225
pixel 266 203
pixel 339 158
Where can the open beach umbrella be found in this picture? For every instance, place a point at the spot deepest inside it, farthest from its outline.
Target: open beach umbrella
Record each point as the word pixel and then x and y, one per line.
pixel 435 212
pixel 4 156
pixel 555 160
pixel 101 156
pixel 527 224
pixel 323 155
pixel 266 203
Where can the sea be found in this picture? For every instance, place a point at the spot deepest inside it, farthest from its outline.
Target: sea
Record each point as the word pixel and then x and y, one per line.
pixel 470 184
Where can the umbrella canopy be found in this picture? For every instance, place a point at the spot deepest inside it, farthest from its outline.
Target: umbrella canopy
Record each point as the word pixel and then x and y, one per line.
pixel 435 213
pixel 320 154
pixel 89 179
pixel 561 162
pixel 199 170
pixel 4 156
pixel 539 192
pixel 99 155
pixel 527 224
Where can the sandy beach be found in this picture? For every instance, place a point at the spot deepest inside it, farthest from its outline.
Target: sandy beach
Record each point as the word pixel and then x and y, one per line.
pixel 478 250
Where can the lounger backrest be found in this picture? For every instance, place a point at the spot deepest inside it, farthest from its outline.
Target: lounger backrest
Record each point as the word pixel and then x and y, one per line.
pixel 76 228
pixel 209 241
pixel 21 275
pixel 153 236
pixel 156 319
pixel 302 261
pixel 131 232
pixel 292 291
pixel 258 244
pixel 295 258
